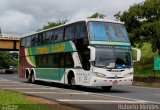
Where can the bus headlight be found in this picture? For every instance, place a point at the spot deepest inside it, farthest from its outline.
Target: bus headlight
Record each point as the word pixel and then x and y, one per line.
pixel 128 74
pixel 99 74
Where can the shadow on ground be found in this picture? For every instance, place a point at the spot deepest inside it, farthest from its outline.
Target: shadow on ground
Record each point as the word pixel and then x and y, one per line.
pixel 80 88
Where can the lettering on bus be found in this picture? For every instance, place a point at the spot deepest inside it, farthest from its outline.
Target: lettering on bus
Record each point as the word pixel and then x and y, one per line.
pixel 58 48
pixel 43 50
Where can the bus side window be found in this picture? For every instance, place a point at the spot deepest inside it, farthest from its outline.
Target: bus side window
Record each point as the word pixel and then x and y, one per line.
pixel 81 36
pixel 39 60
pixel 69 32
pixel 55 60
pixel 52 32
pixel 40 38
pixel 28 41
pixel 58 34
pixel 46 37
pixel 45 41
pixel 62 60
pixel 80 30
pixel 69 61
pixel 23 42
pixel 42 60
pixel 34 40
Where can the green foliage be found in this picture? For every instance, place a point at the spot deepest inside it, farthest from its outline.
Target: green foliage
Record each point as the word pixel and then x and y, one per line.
pixel 145 66
pixel 6 59
pixel 143 23
pixel 53 24
pixel 14 56
pixel 97 15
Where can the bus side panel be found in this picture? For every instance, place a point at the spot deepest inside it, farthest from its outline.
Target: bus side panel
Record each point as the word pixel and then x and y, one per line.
pixel 50 74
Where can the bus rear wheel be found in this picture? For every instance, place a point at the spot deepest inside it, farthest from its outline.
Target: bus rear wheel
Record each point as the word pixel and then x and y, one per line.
pixel 33 79
pixel 106 88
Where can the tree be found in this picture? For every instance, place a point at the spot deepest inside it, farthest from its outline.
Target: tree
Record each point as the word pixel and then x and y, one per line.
pixel 97 15
pixel 143 23
pixel 6 59
pixel 53 24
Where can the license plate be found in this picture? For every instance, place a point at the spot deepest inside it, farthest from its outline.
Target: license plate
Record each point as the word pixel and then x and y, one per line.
pixel 116 73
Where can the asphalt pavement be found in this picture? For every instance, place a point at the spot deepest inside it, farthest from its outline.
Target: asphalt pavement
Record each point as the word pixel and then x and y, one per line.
pixel 83 97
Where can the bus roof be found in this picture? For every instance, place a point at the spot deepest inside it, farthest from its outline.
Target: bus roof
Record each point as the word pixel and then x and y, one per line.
pixel 71 22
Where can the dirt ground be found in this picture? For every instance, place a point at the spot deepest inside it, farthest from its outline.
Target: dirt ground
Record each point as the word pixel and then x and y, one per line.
pixel 146 81
pixel 147 84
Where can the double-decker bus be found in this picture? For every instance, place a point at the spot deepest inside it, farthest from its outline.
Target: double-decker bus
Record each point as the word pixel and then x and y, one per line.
pixel 90 52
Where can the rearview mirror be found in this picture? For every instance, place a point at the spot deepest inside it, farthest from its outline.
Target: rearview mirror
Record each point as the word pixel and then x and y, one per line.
pixel 92 53
pixel 138 54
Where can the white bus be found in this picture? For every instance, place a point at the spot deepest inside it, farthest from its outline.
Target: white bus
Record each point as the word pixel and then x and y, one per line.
pixel 90 52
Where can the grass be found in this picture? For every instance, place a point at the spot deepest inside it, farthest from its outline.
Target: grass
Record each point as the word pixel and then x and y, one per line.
pixel 146 65
pixel 12 98
pixel 16 101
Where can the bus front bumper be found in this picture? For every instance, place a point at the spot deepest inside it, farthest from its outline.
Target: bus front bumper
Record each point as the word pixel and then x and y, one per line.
pixel 97 81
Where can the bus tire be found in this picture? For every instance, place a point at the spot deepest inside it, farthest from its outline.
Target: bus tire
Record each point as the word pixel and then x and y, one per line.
pixel 29 78
pixel 32 77
pixel 71 79
pixel 106 88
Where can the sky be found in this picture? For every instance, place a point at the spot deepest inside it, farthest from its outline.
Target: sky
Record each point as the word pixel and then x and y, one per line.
pixel 27 16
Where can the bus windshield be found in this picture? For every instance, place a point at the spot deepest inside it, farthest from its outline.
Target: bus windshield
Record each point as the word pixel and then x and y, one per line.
pixel 113 57
pixel 106 31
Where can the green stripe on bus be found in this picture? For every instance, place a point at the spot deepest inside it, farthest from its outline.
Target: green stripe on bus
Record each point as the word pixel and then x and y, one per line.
pixel 52 48
pixel 49 73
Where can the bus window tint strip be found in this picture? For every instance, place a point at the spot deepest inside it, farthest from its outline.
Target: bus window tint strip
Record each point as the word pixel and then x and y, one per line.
pixel 57 60
pixel 72 32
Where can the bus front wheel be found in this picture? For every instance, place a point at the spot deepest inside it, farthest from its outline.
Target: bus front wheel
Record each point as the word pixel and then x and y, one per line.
pixel 73 81
pixel 33 79
pixel 106 88
pixel 29 79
